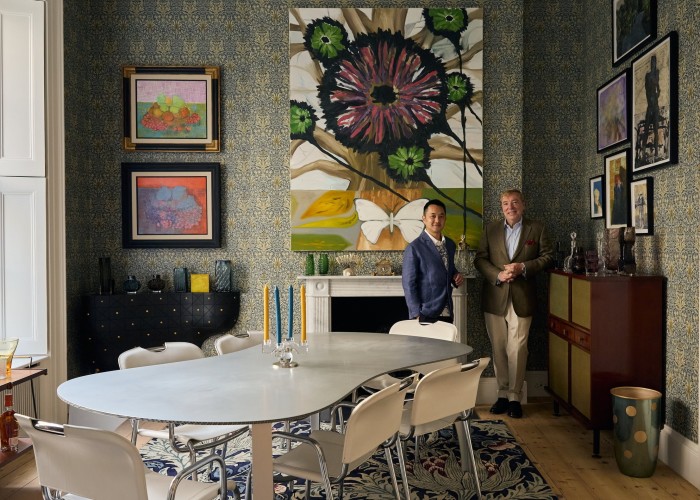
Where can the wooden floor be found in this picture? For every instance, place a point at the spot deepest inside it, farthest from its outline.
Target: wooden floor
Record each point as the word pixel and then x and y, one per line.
pixel 558 446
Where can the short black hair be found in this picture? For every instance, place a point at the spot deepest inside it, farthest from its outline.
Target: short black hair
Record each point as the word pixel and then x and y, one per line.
pixel 434 202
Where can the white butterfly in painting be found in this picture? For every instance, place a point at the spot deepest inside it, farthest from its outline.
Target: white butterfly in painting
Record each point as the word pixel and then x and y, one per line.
pixel 374 219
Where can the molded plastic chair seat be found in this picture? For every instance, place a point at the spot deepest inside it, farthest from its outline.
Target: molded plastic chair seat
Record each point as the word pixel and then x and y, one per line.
pixel 328 456
pixel 442 398
pixel 186 438
pixel 94 463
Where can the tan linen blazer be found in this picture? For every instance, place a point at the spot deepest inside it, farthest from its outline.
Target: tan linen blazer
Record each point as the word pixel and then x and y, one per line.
pixel 534 250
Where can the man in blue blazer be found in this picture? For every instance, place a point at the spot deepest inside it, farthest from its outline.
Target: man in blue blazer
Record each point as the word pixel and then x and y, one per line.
pixel 428 272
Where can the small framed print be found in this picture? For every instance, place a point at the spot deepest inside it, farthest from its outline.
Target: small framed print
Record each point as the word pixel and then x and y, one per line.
pixel 596 197
pixel 171 205
pixel 613 112
pixel 641 205
pixel 634 24
pixel 617 174
pixel 171 108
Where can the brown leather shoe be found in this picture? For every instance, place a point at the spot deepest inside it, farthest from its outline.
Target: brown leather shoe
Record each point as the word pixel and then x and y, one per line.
pixel 500 406
pixel 515 410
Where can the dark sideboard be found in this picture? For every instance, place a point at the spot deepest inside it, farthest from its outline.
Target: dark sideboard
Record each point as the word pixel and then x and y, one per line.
pixel 116 323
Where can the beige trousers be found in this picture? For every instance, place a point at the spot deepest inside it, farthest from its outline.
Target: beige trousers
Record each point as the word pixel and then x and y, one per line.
pixel 508 336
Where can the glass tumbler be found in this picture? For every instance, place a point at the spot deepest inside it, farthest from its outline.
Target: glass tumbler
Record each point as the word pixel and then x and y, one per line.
pixel 7 351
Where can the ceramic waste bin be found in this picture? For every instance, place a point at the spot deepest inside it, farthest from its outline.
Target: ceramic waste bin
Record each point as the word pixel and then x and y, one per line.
pixel 636 422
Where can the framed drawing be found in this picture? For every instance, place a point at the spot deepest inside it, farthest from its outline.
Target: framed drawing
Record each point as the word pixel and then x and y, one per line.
pixel 171 108
pixel 596 197
pixel 655 105
pixel 642 205
pixel 617 189
pixel 634 24
pixel 171 205
pixel 613 112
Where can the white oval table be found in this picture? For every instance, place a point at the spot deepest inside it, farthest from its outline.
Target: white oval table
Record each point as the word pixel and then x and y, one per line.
pixel 246 388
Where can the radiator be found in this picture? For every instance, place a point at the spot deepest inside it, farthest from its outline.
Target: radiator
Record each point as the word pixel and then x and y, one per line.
pixel 22 397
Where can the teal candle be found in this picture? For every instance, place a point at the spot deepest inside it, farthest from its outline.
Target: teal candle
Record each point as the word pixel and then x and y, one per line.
pixel 279 316
pixel 290 333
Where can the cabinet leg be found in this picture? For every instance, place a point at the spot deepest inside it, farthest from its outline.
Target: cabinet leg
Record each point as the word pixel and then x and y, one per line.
pixel 555 408
pixel 596 443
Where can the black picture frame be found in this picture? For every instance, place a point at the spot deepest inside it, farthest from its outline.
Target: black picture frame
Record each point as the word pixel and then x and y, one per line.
pixel 656 145
pixel 633 25
pixel 617 175
pixel 596 198
pixel 613 111
pixel 171 108
pixel 642 205
pixel 171 205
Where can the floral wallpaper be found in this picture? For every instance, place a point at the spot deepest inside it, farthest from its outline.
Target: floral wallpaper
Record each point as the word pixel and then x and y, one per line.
pixel 543 63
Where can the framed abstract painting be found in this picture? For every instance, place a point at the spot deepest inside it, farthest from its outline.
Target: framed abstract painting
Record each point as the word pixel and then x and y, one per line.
pixel 634 24
pixel 171 205
pixel 617 175
pixel 171 108
pixel 613 112
pixel 655 105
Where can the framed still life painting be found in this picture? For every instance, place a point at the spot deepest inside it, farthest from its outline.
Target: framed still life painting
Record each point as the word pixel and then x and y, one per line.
pixel 171 205
pixel 655 105
pixel 613 112
pixel 634 24
pixel 171 108
pixel 617 174
pixel 641 205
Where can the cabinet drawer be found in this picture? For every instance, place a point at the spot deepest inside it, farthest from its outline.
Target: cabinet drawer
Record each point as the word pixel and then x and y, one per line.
pixel 579 338
pixel 557 326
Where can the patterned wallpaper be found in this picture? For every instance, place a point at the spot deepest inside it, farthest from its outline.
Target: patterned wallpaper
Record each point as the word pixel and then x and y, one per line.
pixel 540 126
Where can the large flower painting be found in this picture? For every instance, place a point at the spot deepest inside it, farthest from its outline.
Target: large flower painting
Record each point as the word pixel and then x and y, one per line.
pixel 386 110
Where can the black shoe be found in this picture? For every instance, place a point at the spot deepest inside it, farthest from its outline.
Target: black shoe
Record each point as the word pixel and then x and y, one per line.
pixel 515 410
pixel 500 406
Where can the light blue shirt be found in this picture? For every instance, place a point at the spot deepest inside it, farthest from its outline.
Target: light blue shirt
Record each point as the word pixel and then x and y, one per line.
pixel 513 237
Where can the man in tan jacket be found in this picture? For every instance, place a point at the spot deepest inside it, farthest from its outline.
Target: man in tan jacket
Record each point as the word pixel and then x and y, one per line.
pixel 511 253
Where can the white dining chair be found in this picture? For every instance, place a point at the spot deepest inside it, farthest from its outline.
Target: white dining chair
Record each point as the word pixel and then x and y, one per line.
pixel 232 343
pixel 186 438
pixel 439 330
pixel 443 398
pixel 328 456
pixel 102 465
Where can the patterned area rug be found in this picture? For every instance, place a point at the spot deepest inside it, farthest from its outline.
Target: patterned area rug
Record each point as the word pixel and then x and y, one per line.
pixel 504 469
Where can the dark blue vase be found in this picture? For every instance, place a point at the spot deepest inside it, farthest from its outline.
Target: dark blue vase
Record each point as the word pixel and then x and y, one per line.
pixel 131 285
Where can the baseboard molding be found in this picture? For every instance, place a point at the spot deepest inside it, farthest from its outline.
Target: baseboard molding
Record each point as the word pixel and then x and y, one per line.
pixel 535 381
pixel 680 454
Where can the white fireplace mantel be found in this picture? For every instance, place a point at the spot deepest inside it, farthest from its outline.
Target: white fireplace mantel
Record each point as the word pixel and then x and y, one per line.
pixel 320 290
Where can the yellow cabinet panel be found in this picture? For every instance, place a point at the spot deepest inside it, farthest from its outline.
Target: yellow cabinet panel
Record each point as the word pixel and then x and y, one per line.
pixel 559 366
pixel 559 296
pixel 581 303
pixel 581 380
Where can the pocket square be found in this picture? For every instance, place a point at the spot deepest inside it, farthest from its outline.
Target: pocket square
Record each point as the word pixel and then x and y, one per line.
pixel 530 242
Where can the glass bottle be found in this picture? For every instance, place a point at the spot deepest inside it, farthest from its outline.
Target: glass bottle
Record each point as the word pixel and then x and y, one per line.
pixel 323 263
pixel 156 284
pixel 9 428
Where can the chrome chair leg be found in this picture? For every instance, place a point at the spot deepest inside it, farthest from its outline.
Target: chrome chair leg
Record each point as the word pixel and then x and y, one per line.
pixel 472 458
pixel 402 469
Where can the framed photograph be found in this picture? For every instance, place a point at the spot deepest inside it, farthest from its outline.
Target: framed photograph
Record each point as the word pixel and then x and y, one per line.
pixel 171 205
pixel 642 206
pixel 613 112
pixel 596 197
pixel 617 175
pixel 655 105
pixel 634 24
pixel 171 108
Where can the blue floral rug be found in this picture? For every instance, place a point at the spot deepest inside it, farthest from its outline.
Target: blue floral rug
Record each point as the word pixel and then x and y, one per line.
pixel 504 469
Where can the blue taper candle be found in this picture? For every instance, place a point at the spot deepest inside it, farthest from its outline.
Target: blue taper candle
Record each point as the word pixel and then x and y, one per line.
pixel 290 333
pixel 279 316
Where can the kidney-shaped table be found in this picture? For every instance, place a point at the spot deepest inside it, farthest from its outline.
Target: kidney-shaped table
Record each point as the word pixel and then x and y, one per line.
pixel 246 388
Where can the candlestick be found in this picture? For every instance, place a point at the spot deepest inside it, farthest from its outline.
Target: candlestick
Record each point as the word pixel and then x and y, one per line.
pixel 302 304
pixel 279 317
pixel 266 314
pixel 290 332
